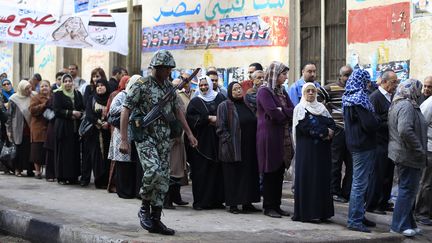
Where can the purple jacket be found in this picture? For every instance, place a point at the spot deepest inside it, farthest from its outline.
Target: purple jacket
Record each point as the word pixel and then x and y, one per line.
pixel 270 132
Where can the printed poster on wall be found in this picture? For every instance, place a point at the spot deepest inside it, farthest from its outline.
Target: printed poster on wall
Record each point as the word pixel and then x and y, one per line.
pixel 401 68
pixel 93 31
pixel 225 33
pixel 201 35
pixel 421 7
pixel 168 37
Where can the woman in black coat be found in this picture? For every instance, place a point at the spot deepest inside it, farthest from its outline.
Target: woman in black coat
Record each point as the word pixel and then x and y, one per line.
pixel 68 108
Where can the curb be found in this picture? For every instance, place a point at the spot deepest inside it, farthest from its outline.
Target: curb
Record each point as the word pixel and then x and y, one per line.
pixel 36 229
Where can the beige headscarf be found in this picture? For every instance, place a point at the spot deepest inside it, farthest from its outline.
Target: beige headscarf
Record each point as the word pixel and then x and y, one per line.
pixel 132 80
pixel 22 101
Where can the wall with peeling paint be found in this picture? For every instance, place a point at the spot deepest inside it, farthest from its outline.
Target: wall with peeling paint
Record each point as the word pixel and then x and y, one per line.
pixel 45 61
pixel 92 59
pixel 378 31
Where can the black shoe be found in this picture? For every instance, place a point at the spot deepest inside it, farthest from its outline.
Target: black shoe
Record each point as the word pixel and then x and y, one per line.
pixel 234 210
pixel 377 211
pixel 167 202
pixel 424 221
pixel 340 199
pixel 282 212
pixel 218 206
pixel 360 229
pixel 250 208
pixel 145 216
pixel 181 203
pixel 199 208
pixel 38 176
pixel 368 223
pixel 84 183
pixel 272 213
pixel 158 226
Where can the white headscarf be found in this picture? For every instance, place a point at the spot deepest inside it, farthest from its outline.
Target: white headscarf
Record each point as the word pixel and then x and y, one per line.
pixel 131 81
pixel 211 94
pixel 304 106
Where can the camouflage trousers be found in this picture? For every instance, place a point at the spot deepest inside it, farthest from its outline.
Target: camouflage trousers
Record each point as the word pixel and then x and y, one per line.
pixel 154 158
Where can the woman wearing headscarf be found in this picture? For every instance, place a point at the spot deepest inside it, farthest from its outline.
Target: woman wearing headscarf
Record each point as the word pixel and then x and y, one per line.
pixel 313 129
pixel 97 139
pixel 236 128
pixel 125 167
pixel 407 148
pixel 68 108
pixel 111 187
pixel 361 125
pixel 7 92
pixel 18 127
pixel 206 171
pixel 38 127
pixel 90 89
pixel 274 110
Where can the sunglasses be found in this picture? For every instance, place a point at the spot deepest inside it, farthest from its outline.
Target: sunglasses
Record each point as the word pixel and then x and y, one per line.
pixel 215 80
pixel 4 84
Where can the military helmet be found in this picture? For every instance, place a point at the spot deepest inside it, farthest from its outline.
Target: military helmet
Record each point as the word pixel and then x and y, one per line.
pixel 163 58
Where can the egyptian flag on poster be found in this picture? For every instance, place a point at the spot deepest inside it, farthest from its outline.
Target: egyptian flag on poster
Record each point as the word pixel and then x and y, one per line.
pixel 102 29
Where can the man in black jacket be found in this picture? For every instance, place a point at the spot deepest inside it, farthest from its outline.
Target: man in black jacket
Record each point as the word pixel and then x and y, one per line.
pixel 381 180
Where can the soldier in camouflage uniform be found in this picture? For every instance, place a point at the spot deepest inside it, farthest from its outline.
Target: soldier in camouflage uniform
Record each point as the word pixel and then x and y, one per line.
pixel 153 142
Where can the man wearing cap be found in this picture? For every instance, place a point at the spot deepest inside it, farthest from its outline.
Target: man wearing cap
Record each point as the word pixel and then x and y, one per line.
pixel 153 141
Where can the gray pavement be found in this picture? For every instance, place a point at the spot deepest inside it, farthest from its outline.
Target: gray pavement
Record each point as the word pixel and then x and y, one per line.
pixel 42 211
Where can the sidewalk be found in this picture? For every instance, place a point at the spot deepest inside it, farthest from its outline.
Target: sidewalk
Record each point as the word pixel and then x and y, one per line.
pixel 48 212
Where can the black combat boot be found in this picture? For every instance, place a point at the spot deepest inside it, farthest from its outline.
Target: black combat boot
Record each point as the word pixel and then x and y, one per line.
pixel 158 226
pixel 144 215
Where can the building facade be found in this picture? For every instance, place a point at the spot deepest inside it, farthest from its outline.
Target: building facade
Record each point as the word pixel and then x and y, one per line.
pixel 231 34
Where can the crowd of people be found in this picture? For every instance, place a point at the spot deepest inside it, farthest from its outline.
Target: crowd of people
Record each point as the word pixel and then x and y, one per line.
pixel 234 144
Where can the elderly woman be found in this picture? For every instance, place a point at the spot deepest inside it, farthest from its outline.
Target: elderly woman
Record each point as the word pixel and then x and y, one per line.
pixel 18 127
pixel 360 132
pixel 236 128
pixel 206 171
pixel 68 108
pixel 125 168
pixel 38 128
pixel 407 148
pixel 275 110
pixel 250 97
pixel 97 139
pixel 313 129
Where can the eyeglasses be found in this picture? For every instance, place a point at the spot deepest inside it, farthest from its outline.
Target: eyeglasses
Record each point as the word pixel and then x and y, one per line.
pixel 215 80
pixel 4 84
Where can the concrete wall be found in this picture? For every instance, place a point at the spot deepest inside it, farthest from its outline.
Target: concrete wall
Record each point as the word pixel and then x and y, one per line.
pixel 45 62
pixel 421 51
pixel 92 59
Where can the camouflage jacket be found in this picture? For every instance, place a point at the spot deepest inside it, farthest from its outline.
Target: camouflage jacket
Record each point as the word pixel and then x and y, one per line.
pixel 141 98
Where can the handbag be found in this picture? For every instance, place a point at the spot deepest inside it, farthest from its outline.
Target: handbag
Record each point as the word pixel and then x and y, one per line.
pixel 84 126
pixel 114 120
pixel 8 152
pixel 48 114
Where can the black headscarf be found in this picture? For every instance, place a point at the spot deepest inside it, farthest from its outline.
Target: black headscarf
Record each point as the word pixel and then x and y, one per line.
pixel 102 98
pixel 230 96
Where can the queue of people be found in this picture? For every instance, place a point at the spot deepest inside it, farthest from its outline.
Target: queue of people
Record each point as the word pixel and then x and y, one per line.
pixel 234 144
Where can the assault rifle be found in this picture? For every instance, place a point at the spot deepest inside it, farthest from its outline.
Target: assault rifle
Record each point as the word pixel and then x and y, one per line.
pixel 156 112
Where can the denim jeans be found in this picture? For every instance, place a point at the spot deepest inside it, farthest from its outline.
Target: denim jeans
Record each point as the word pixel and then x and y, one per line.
pixel 362 169
pixel 409 180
